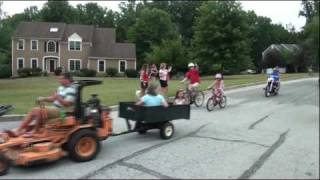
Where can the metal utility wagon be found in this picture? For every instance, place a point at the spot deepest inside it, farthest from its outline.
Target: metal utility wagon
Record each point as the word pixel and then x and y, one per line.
pixel 156 117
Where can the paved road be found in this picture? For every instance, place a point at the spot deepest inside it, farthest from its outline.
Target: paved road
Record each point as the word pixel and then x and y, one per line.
pixel 253 137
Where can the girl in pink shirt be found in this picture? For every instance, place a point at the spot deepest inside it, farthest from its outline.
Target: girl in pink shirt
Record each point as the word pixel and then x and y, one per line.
pixel 218 85
pixel 164 77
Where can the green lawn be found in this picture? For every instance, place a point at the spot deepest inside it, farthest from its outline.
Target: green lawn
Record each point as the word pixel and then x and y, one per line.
pixel 23 92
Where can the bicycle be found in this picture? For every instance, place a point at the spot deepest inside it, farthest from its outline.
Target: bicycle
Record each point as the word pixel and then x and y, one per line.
pixel 194 96
pixel 215 100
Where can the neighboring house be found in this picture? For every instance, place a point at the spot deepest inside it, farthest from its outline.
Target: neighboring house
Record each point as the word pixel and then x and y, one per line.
pixel 280 55
pixel 50 45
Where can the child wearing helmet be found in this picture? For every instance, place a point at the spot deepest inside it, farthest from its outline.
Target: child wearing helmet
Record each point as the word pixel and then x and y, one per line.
pixel 275 74
pixel 193 76
pixel 218 86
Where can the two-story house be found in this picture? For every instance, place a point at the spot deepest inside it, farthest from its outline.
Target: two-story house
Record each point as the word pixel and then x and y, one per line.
pixel 71 46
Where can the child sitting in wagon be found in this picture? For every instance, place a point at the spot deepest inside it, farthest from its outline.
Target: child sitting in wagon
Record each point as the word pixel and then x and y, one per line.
pixel 180 99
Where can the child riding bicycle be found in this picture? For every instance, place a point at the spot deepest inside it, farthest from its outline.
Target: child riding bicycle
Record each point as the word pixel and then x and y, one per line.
pixel 218 86
pixel 193 76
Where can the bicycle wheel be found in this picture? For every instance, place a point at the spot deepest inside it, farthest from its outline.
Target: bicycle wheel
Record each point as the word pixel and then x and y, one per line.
pixel 210 104
pixel 223 102
pixel 199 98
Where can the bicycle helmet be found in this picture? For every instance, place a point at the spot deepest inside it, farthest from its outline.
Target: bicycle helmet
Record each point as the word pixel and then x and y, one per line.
pixel 190 65
pixel 218 76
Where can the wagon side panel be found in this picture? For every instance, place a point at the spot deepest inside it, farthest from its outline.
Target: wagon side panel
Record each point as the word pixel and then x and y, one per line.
pixel 129 110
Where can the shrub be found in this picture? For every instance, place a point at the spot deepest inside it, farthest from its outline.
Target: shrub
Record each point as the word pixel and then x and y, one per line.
pixel 58 71
pixel 112 72
pixel 119 75
pixel 75 73
pixel 44 73
pixel 131 73
pixel 101 74
pixel 24 72
pixel 85 72
pixel 36 72
pixel 5 70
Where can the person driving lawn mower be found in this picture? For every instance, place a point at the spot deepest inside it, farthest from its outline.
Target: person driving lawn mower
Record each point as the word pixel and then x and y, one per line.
pixel 63 102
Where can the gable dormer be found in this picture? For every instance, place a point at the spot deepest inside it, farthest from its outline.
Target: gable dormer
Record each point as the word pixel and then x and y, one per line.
pixel 74 42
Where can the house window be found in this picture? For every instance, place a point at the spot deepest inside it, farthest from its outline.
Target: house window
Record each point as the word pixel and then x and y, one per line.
pixel 34 45
pixel 51 46
pixel 74 65
pixel 34 63
pixel 101 66
pixel 122 66
pixel 74 45
pixel 20 63
pixel 20 45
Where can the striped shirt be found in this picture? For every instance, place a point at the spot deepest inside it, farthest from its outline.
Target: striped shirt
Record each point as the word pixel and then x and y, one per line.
pixel 67 94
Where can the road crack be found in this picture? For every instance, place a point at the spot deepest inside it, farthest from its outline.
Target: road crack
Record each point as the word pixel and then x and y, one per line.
pixel 258 164
pixel 230 140
pixel 122 160
pixel 257 122
pixel 145 170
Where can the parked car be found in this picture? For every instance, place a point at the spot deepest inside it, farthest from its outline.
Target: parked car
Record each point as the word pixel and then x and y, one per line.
pixel 251 71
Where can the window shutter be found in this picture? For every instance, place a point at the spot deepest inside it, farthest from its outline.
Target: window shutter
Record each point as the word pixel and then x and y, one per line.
pixel 57 46
pixel 45 46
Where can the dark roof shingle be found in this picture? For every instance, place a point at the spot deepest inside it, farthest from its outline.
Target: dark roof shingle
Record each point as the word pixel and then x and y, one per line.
pixel 104 45
pixel 103 39
pixel 124 50
pixel 39 30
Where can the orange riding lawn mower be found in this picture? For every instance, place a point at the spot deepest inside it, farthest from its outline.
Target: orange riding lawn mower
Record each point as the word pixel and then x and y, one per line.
pixel 78 135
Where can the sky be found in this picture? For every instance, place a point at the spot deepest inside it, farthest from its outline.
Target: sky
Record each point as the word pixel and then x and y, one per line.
pixel 280 12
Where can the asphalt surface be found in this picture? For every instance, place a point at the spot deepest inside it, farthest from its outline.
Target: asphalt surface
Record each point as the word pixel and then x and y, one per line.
pixel 253 137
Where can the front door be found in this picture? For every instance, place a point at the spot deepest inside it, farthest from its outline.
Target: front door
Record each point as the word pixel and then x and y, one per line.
pixel 51 65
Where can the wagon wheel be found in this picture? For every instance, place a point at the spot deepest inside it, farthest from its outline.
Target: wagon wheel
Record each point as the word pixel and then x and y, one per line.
pixel 4 165
pixel 83 145
pixel 166 130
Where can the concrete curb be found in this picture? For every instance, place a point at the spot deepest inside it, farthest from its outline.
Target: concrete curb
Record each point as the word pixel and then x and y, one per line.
pixel 17 117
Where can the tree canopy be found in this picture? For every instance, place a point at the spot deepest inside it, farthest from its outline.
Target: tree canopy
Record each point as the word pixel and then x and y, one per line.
pixel 215 34
pixel 221 36
pixel 152 26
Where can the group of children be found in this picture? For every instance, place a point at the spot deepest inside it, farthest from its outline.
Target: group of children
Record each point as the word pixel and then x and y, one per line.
pixel 192 76
pixel 152 73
